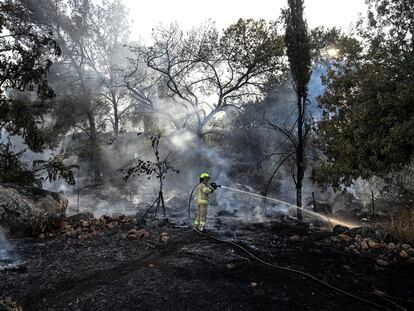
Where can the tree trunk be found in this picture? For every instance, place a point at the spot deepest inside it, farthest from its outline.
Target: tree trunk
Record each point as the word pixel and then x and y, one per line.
pixel 200 132
pixel 116 114
pixel 372 203
pixel 299 157
pixel 96 161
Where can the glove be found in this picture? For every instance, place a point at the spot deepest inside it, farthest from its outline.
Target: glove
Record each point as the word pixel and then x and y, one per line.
pixel 214 185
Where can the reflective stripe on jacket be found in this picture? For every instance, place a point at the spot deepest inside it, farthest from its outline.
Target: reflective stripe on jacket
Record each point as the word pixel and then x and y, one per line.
pixel 202 194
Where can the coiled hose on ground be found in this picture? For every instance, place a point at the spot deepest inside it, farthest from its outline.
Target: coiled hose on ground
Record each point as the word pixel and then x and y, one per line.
pixel 307 275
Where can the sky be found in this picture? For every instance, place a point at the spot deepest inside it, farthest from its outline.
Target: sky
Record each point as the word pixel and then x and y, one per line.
pixel 190 13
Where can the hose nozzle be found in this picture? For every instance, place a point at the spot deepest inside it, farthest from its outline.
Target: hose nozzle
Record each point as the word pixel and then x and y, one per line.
pixel 214 185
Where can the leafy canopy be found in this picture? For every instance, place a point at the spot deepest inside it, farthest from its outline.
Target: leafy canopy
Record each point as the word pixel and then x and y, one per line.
pixel 367 128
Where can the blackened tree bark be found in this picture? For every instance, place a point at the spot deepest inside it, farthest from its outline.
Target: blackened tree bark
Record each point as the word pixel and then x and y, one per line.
pixel 298 50
pixel 94 145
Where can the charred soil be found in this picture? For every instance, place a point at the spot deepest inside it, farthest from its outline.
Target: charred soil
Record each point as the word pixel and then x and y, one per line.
pixel 164 267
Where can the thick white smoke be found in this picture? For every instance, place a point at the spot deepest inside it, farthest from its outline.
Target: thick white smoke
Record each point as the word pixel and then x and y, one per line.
pixel 5 247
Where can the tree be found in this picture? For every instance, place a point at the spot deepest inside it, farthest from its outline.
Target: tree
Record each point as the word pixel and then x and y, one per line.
pixel 146 88
pixel 367 129
pixel 86 77
pixel 160 168
pixel 298 47
pixel 298 51
pixel 208 72
pixel 110 29
pixel 26 54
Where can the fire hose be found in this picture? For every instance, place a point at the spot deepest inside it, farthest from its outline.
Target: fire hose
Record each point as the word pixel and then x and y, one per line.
pixel 189 201
pixel 307 275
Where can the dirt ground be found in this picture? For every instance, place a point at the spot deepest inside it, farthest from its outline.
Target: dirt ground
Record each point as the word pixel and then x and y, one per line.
pixel 192 272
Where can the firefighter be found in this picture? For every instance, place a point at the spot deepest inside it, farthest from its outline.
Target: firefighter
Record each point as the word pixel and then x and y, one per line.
pixel 203 191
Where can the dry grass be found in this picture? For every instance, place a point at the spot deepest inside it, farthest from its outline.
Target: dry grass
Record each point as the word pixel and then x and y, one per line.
pixel 9 305
pixel 401 225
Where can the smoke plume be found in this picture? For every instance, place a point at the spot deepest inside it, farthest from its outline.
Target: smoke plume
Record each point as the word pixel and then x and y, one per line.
pixel 5 247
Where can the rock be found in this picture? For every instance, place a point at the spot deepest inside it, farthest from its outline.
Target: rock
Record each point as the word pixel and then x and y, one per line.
pixel 410 252
pixel 85 224
pixel 164 237
pixel 364 245
pixel 42 236
pixel 132 231
pixel 137 234
pixel 295 238
pixel 382 262
pixel 410 260
pixel 315 251
pixel 345 237
pixel 162 222
pixel 78 218
pixel 374 245
pixel 230 266
pixel 405 246
pixel 404 254
pixel 358 238
pixel 9 305
pixel 334 238
pixel 253 284
pixel 28 211
pixel 340 229
pixel 379 292
pixel 390 246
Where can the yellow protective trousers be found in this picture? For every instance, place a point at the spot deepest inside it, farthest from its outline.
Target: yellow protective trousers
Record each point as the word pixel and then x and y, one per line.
pixel 203 191
pixel 201 218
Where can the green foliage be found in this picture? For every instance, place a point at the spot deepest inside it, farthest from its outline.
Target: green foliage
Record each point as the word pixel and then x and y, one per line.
pixel 11 168
pixel 26 53
pixel 322 39
pixel 236 67
pixel 253 44
pixel 298 46
pixel 55 170
pixel 367 128
pixel 13 171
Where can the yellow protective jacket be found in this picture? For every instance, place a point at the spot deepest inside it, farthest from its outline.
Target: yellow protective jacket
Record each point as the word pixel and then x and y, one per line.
pixel 202 193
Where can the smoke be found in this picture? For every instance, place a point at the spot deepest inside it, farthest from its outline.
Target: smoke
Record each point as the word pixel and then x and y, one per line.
pixel 316 89
pixel 182 140
pixel 229 156
pixel 5 248
pixel 18 145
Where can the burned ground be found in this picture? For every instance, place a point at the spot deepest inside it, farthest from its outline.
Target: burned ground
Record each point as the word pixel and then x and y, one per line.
pixel 175 268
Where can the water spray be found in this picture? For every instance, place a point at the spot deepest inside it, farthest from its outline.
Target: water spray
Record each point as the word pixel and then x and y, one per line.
pixel 330 219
